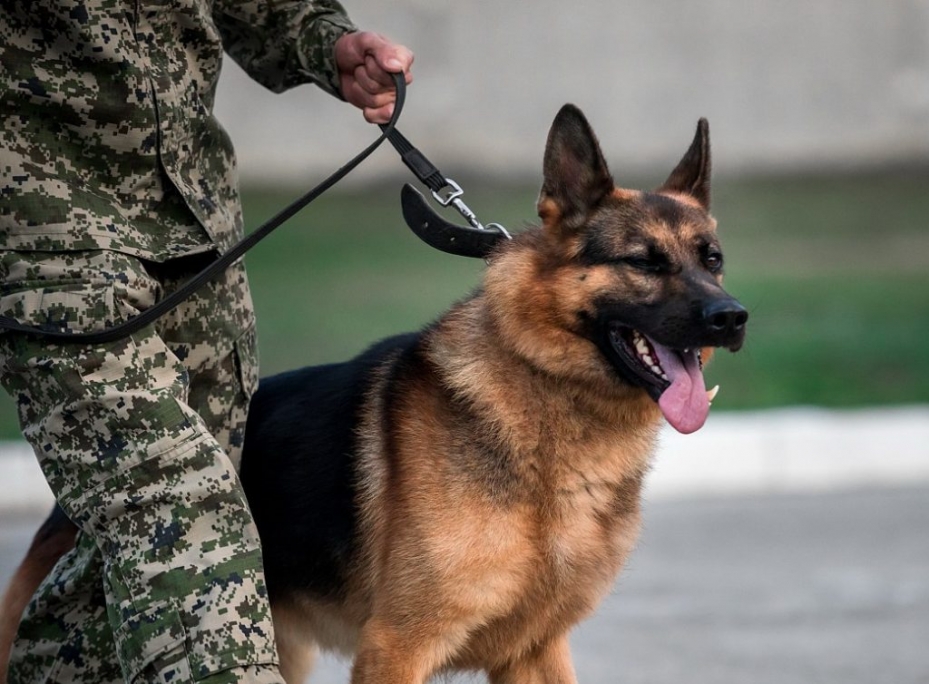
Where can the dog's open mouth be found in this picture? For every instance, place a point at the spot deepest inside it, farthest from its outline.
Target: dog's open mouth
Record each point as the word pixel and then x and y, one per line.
pixel 672 377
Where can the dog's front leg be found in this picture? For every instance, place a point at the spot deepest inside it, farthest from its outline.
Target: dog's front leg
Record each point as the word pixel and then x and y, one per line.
pixel 391 655
pixel 547 664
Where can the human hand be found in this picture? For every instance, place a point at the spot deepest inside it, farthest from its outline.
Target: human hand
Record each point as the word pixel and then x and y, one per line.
pixel 365 62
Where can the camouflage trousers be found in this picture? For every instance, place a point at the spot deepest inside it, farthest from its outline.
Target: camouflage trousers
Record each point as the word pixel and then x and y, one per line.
pixel 139 441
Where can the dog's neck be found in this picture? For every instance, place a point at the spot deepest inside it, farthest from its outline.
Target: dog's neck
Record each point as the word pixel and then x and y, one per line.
pixel 604 427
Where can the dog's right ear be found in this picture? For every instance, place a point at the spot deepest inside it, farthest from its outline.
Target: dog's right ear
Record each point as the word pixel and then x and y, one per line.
pixel 575 175
pixel 691 176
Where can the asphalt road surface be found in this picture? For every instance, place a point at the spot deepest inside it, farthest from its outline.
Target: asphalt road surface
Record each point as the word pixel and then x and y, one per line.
pixel 787 589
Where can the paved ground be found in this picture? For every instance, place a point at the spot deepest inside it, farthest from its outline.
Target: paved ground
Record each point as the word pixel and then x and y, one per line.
pixel 827 588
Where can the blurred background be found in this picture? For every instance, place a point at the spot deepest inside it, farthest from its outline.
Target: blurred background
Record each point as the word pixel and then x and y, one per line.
pixel 795 525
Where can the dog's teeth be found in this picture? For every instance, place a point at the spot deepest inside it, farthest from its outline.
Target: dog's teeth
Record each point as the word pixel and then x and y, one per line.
pixel 711 394
pixel 646 354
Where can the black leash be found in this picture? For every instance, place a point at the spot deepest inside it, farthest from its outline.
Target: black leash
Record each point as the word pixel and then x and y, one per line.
pixel 428 225
pixel 54 332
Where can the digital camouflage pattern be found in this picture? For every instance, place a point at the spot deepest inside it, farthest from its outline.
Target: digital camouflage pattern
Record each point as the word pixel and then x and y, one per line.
pixel 106 109
pixel 111 168
pixel 125 436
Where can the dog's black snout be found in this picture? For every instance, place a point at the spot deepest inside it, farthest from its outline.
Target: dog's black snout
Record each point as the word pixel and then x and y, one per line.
pixel 725 316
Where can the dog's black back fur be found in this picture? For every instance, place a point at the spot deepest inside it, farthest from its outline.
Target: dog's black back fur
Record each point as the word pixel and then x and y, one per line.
pixel 298 469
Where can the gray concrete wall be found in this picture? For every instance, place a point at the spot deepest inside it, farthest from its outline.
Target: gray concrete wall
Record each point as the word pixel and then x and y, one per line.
pixel 795 84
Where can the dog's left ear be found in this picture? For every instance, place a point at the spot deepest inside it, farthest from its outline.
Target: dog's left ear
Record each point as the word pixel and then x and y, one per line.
pixel 692 174
pixel 575 175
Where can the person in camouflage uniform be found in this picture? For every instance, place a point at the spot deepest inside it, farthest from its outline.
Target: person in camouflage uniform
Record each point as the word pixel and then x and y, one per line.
pixel 117 184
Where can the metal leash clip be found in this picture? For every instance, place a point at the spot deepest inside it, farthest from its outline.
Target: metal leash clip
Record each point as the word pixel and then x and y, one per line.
pixel 474 241
pixel 477 240
pixel 454 198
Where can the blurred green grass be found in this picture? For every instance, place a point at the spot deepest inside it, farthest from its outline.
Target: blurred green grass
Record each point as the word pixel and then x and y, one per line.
pixel 833 269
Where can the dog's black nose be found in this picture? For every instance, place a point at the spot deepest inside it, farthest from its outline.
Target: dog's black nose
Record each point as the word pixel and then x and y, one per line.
pixel 725 316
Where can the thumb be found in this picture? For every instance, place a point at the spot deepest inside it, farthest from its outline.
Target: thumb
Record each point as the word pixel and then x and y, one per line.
pixel 388 55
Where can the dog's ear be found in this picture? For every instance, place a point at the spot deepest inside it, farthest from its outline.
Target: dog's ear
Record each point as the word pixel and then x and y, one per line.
pixel 692 174
pixel 575 175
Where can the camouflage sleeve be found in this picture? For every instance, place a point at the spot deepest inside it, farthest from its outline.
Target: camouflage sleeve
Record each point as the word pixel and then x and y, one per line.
pixel 284 44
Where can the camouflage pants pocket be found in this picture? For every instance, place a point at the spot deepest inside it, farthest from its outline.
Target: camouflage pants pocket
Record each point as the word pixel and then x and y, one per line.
pixel 246 371
pixel 151 646
pixel 213 333
pixel 91 411
pixel 246 350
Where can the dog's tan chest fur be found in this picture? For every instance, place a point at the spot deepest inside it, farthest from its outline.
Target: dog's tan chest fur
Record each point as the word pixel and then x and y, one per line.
pixel 560 558
pixel 510 564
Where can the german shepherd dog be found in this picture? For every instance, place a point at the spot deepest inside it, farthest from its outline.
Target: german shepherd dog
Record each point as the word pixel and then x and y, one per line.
pixel 460 497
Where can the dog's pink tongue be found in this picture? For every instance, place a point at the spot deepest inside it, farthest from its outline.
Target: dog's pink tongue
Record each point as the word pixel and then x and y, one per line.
pixel 684 404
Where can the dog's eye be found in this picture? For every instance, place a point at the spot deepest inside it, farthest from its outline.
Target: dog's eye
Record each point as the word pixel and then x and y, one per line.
pixel 646 264
pixel 713 262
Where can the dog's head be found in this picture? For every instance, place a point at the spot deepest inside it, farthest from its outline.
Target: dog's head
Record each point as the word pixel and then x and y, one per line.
pixel 624 286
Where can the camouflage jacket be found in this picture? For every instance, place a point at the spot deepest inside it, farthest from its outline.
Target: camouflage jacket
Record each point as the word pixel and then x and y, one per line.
pixel 107 133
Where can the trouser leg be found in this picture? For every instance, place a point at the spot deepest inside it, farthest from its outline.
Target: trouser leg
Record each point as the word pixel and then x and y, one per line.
pixel 71 639
pixel 136 467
